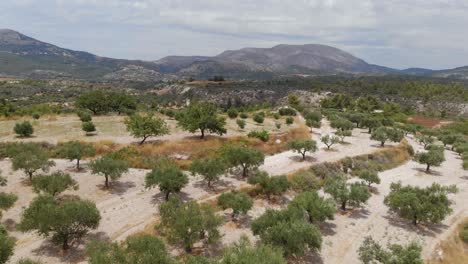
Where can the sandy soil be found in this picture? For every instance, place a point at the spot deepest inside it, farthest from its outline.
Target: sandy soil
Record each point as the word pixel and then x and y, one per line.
pixel 129 208
pixel 54 129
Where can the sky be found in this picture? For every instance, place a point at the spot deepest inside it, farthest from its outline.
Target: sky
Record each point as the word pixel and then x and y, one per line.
pixel 394 33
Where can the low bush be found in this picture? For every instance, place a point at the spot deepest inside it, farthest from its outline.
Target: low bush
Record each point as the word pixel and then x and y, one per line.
pixel 287 111
pixel 263 135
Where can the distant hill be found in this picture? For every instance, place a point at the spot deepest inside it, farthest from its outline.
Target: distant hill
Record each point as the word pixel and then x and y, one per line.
pixel 23 56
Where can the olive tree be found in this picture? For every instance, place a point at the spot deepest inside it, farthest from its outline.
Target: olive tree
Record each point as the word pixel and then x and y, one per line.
pixel 30 158
pixel 346 193
pixel 188 223
pixel 23 129
pixel 54 183
pixel 430 204
pixel 201 116
pixel 268 185
pixel 7 245
pixel 145 126
pixel 287 229
pixel 433 157
pixel 210 169
pixel 244 157
pixel 317 208
pixel 371 252
pixel 142 249
pixel 239 202
pixel 244 252
pixel 382 134
pixel 371 123
pixel 65 220
pixel 167 176
pixel 302 146
pixel 109 168
pixel 369 177
pixel 7 200
pixel 76 150
pixel 330 140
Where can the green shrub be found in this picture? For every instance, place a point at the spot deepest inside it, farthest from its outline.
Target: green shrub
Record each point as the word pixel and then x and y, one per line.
pixel 287 111
pixel 259 118
pixel 289 121
pixel 36 115
pixel 24 129
pixel 88 127
pixel 263 135
pixel 464 234
pixel 85 116
pixel 241 123
pixel 232 113
pixel 243 115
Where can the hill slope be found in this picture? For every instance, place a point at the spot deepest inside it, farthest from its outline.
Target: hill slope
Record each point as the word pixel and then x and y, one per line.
pixel 23 56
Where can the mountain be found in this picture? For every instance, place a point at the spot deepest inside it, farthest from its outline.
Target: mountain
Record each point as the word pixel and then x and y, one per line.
pixel 281 59
pixel 23 56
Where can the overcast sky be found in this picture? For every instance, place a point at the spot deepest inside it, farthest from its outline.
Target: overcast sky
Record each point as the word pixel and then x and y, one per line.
pixel 394 33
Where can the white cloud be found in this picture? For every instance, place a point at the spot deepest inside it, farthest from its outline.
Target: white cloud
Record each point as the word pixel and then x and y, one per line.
pixel 397 33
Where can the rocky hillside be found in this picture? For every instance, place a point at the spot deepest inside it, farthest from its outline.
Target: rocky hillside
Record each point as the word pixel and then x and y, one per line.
pixel 23 56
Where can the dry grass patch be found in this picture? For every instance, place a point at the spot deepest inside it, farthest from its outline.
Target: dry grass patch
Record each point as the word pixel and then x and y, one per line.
pixel 454 250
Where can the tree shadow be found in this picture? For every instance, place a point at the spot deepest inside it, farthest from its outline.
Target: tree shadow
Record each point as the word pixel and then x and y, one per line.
pixel 298 158
pixel 430 172
pixel 327 228
pixel 216 186
pixel 359 213
pixel 431 230
pixel 331 149
pixel 161 197
pixel 309 257
pixel 464 178
pixel 9 224
pixel 117 187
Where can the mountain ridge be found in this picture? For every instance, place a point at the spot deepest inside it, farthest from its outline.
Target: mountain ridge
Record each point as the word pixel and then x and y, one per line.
pixel 23 56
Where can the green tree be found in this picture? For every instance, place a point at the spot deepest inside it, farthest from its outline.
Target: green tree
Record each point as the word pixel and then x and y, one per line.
pixel 76 150
pixel 243 253
pixel 167 176
pixel 7 200
pixel 66 219
pixel 433 157
pixel 88 128
pixel 144 126
pixel 23 129
pixel 371 122
pixel 247 158
pixel 84 116
pixel 241 123
pixel 302 146
pixel 268 185
pixel 450 139
pixel 287 230
pixel 140 249
pixel 189 222
pixel 109 167
pixel 259 118
pixel 201 116
pixel 342 134
pixel 54 183
pixel 7 245
pixel 344 193
pixel 94 101
pixel 330 140
pixel 210 169
pixel 121 103
pixel 317 208
pixel 425 140
pixel 370 252
pixel 31 158
pixel 383 134
pixel 369 177
pixel 341 124
pixel 429 204
pixel 239 202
